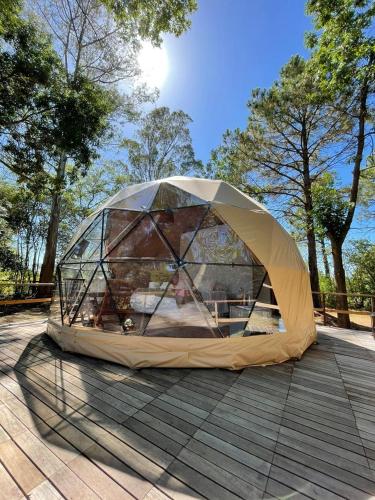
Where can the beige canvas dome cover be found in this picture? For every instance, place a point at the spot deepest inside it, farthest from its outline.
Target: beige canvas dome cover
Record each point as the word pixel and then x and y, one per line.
pixel 267 244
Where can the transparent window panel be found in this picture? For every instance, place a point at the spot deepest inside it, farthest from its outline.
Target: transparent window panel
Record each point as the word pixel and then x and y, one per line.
pixel 169 196
pixel 74 279
pixel 88 247
pixel 136 289
pixel 97 309
pixel 180 225
pixel 143 241
pixel 55 307
pixel 216 242
pixel 181 313
pixel 229 293
pixel 265 317
pixel 117 224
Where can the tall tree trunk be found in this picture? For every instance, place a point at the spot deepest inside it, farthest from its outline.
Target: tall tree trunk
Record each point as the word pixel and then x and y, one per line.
pixel 48 266
pixel 338 241
pixel 313 265
pixel 327 272
pixel 343 320
pixel 310 230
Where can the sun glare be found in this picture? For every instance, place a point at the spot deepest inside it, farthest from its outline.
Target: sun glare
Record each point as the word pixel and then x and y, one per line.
pixel 153 62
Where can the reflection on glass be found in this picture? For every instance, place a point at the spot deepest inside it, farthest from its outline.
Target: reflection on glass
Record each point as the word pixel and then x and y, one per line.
pixel 179 226
pixel 180 271
pixel 216 242
pixel 74 281
pixel 169 196
pixel 181 313
pixel 143 241
pixel 229 293
pixel 117 223
pixel 123 296
pixel 55 307
pixel 89 244
pixel 90 311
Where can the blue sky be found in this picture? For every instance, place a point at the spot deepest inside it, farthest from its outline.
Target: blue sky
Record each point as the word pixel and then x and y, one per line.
pixel 232 47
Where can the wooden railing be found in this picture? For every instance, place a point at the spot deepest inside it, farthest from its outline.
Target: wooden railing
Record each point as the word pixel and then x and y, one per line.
pixel 26 293
pixel 326 309
pixel 23 293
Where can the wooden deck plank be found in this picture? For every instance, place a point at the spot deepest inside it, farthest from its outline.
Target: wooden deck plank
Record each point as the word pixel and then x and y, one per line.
pixel 79 426
pixel 24 472
pixel 45 491
pixel 8 487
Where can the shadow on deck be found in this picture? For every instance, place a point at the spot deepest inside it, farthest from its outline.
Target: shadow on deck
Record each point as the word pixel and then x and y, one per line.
pixel 76 427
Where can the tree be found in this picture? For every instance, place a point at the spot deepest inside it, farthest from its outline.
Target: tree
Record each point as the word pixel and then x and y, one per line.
pixel 9 14
pixel 98 41
pixel 22 227
pixel 366 193
pixel 83 196
pixel 344 62
pixel 154 16
pixel 285 148
pixel 162 146
pixel 37 145
pixel 28 69
pixel 361 260
pixel 9 261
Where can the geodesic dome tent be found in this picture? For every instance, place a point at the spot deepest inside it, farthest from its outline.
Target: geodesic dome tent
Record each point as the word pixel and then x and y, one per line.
pixel 183 272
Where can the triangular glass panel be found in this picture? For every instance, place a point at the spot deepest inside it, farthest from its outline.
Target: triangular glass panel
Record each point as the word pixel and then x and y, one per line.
pixel 116 224
pixel 215 242
pixel 88 247
pixel 56 302
pixel 141 200
pixel 74 279
pixel 136 288
pixel 265 317
pixel 229 292
pixel 143 241
pixel 180 225
pixel 97 309
pixel 169 196
pixel 181 313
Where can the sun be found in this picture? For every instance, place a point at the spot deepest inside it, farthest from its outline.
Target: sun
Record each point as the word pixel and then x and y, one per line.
pixel 153 63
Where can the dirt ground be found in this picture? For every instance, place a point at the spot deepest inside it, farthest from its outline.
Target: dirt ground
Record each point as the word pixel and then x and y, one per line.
pixel 358 321
pixel 28 315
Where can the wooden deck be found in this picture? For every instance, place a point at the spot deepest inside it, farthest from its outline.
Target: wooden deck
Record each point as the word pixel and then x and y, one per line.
pixel 74 427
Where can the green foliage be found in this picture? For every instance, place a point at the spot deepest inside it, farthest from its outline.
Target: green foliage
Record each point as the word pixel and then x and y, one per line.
pixel 9 260
pixel 330 206
pixel 344 44
pixel 9 14
pixel 287 144
pixel 367 190
pixel 28 69
pixel 162 146
pixel 327 284
pixel 361 259
pixel 42 114
pixel 154 16
pixel 85 193
pixel 229 163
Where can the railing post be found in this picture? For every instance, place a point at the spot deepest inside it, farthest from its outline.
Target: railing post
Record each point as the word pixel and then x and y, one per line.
pixel 324 309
